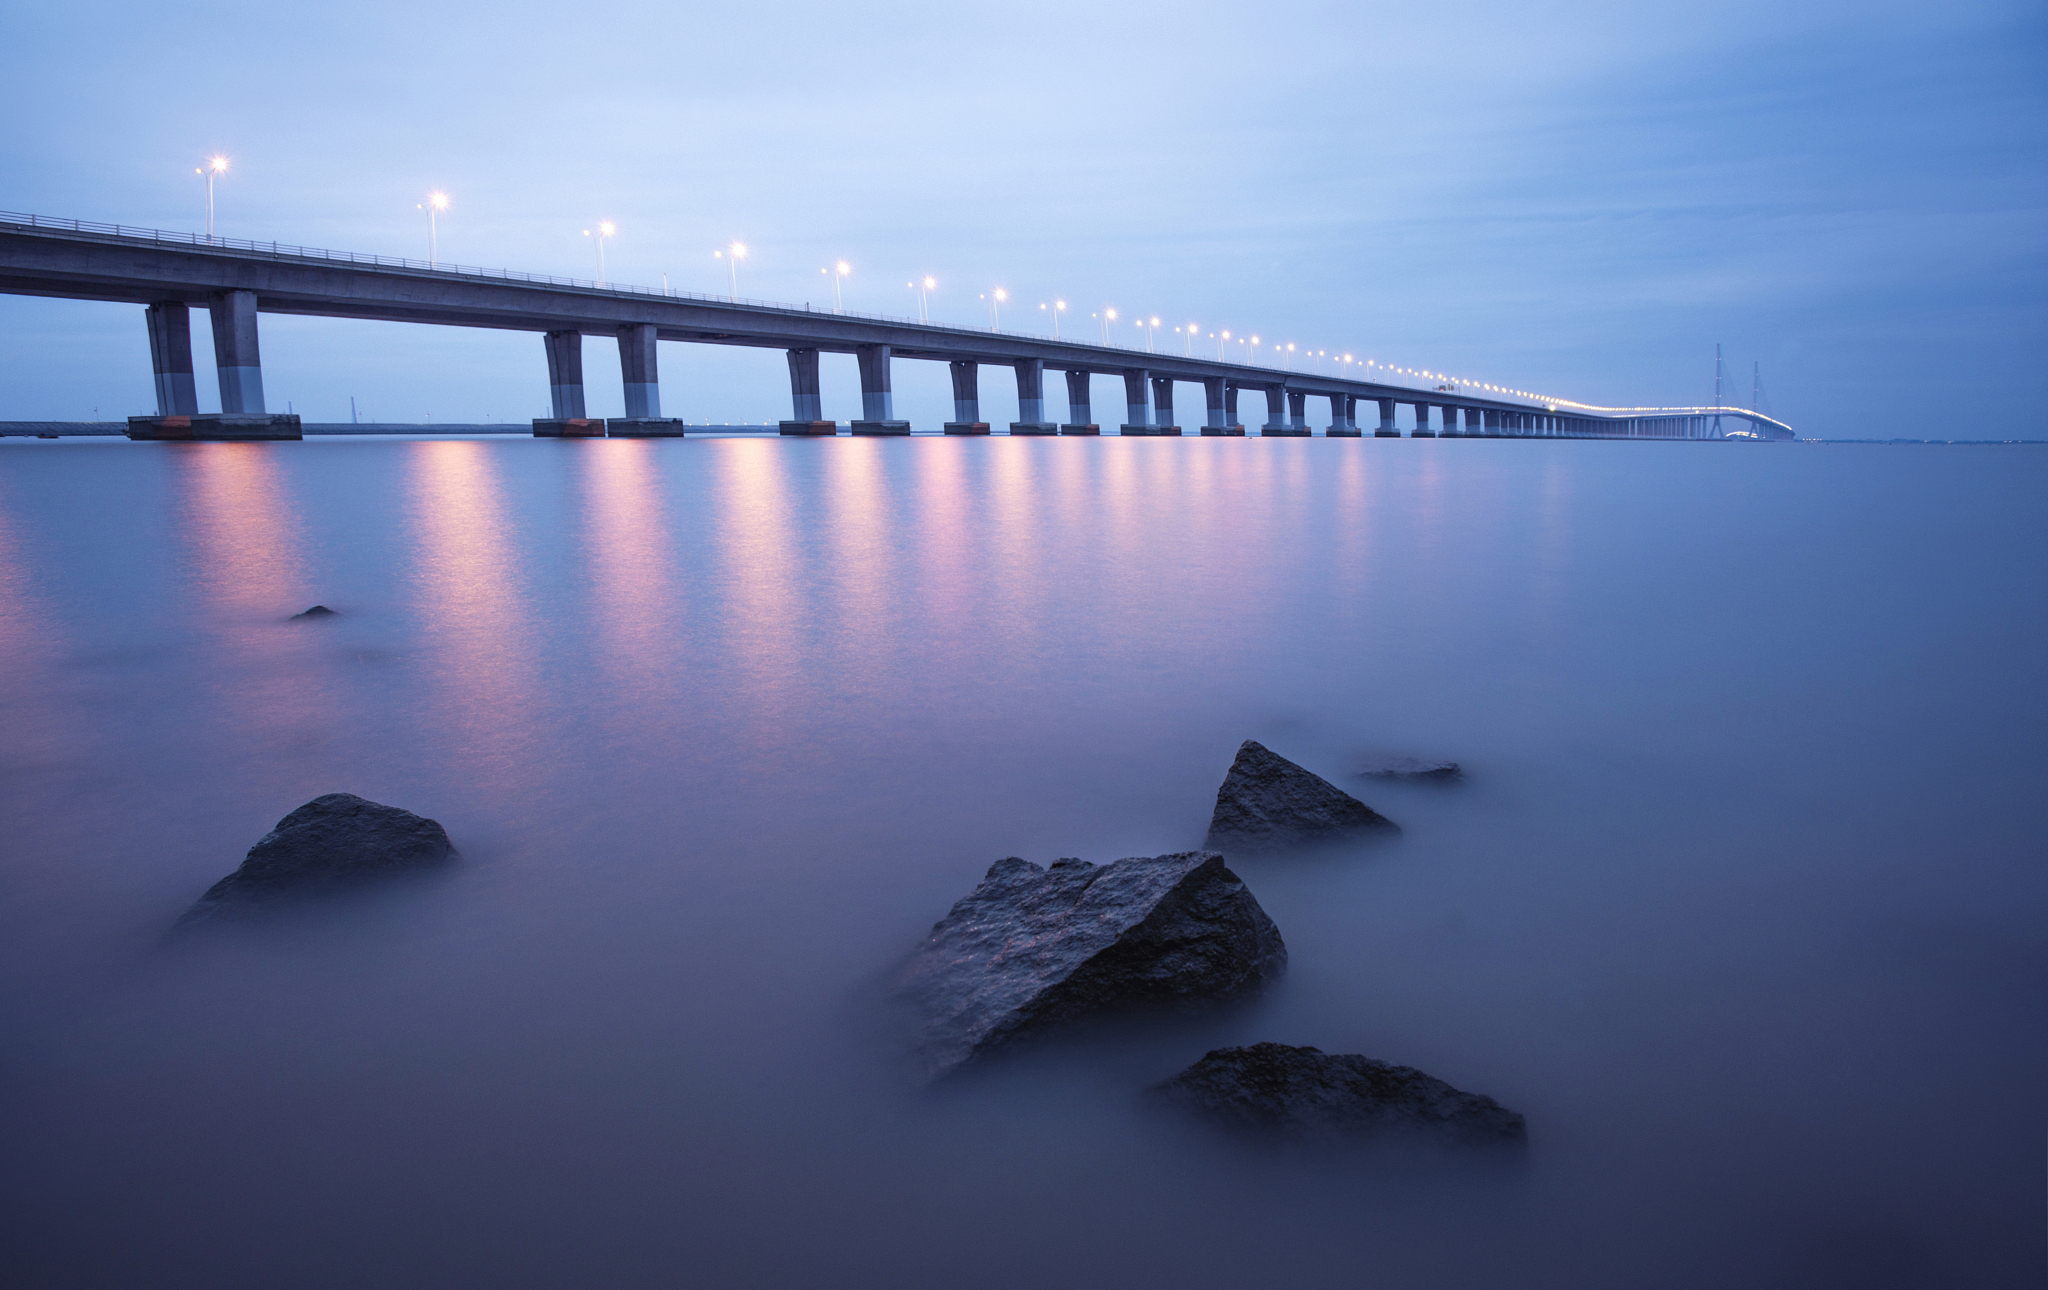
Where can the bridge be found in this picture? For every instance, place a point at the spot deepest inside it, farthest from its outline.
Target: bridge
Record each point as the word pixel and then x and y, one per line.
pixel 169 273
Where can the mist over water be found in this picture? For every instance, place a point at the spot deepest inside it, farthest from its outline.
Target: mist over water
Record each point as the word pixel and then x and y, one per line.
pixel 1744 905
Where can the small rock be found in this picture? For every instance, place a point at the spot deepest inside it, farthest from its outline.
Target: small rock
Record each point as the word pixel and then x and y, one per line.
pixel 318 611
pixel 1267 801
pixel 1305 1094
pixel 1395 766
pixel 332 841
pixel 1030 948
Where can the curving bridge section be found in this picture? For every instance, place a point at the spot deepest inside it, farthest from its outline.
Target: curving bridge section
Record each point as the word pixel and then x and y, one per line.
pixel 235 281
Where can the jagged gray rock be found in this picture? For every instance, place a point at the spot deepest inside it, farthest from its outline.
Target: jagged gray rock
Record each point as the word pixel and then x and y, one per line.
pixel 1396 766
pixel 1305 1094
pixel 1030 948
pixel 331 841
pixel 1267 801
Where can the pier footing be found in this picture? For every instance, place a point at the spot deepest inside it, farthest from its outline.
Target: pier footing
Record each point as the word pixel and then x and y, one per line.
pixel 217 426
pixel 644 427
pixel 568 428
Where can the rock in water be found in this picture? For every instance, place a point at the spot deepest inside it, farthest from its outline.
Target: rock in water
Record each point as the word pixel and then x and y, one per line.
pixel 318 611
pixel 1392 766
pixel 1267 801
pixel 1305 1094
pixel 331 841
pixel 1033 947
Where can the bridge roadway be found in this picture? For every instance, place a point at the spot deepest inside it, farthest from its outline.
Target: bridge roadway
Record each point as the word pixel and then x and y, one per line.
pixel 169 273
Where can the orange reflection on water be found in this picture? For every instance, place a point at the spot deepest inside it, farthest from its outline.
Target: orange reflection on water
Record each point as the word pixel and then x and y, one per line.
pixel 630 553
pixel 758 564
pixel 242 528
pixel 865 537
pixel 470 598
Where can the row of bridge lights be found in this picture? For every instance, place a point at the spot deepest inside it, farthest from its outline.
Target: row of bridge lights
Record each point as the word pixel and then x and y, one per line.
pixel 437 203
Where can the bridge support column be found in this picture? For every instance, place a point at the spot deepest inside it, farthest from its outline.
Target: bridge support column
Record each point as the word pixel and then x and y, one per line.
pixel 966 399
pixel 643 419
pixel 1297 416
pixel 1162 406
pixel 1387 428
pixel 1451 429
pixel 1340 418
pixel 241 414
pixel 234 353
pixel 565 390
pixel 1080 417
pixel 170 355
pixel 1031 418
pixel 877 405
pixel 1422 430
pixel 807 406
pixel 1137 404
pixel 1219 419
pixel 1275 426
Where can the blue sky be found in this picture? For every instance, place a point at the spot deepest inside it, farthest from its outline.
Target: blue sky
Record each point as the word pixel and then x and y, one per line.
pixel 1580 198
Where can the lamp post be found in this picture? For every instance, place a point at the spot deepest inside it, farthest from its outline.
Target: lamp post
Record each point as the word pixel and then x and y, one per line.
pixel 995 299
pixel 732 255
pixel 433 206
pixel 215 165
pixel 1192 327
pixel 1221 337
pixel 1106 317
pixel 837 271
pixel 1054 310
pixel 923 287
pixel 605 229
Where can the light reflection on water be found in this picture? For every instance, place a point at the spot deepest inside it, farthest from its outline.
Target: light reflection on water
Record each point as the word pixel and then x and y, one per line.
pixel 1749 864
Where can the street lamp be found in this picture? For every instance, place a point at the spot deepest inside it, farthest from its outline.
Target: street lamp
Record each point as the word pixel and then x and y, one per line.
pixel 1191 340
pixel 995 299
pixel 605 229
pixel 215 165
pixel 1057 306
pixel 923 287
pixel 732 255
pixel 837 271
pixel 1106 317
pixel 434 205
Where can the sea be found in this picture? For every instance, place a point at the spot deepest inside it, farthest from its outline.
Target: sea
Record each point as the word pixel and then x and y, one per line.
pixel 1743 900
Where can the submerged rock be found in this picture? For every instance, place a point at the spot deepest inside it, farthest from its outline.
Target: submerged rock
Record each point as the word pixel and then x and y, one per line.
pixel 1395 766
pixel 1267 801
pixel 1305 1094
pixel 1030 948
pixel 332 841
pixel 318 611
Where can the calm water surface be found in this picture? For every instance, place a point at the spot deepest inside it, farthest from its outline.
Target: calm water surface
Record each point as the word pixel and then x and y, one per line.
pixel 1745 906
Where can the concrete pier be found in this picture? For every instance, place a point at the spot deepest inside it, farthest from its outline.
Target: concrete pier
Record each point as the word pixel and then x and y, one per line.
pixel 170 356
pixel 1031 418
pixel 234 353
pixel 877 405
pixel 1297 414
pixel 1137 403
pixel 807 409
pixel 643 419
pixel 966 399
pixel 1162 406
pixel 565 390
pixel 1387 428
pixel 1080 410
pixel 1422 430
pixel 1343 417
pixel 1220 418
pixel 1276 411
pixel 1277 425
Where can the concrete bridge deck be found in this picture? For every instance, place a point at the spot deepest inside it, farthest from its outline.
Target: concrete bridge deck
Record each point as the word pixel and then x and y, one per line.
pixel 169 273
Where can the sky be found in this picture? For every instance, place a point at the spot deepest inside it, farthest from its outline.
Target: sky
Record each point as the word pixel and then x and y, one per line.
pixel 1580 198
